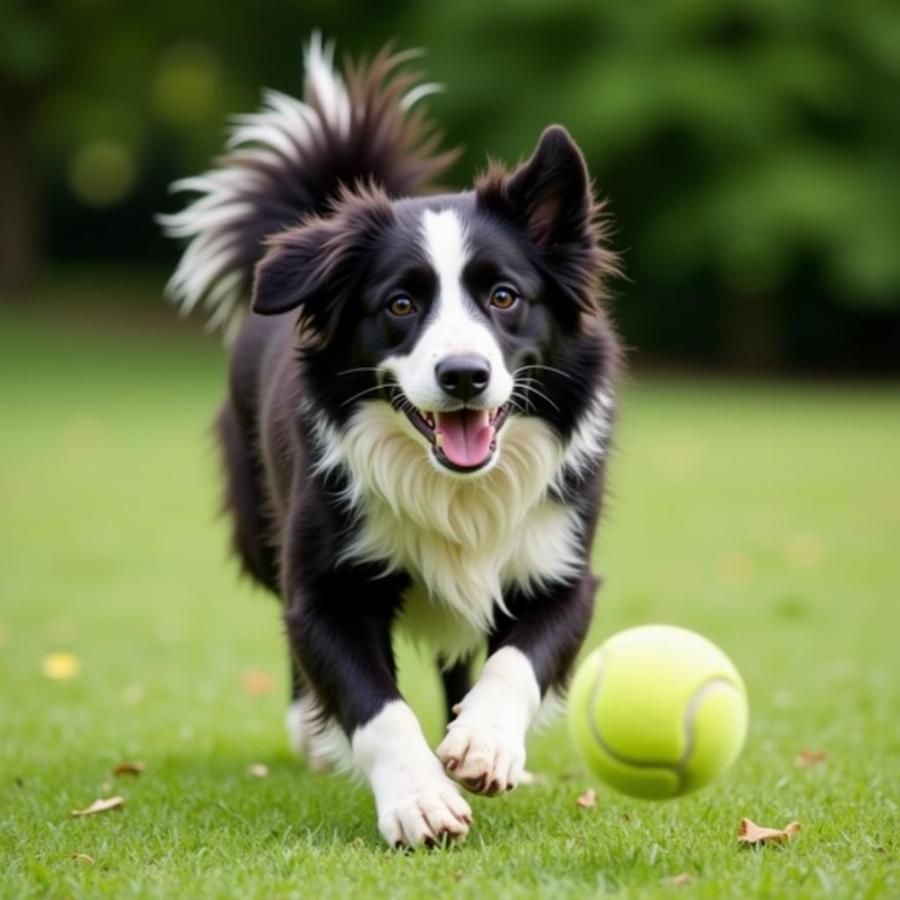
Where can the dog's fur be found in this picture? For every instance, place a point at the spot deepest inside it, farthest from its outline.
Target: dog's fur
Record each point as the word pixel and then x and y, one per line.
pixel 417 422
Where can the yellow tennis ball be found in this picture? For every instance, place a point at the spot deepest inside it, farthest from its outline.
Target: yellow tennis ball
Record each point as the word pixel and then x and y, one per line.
pixel 658 711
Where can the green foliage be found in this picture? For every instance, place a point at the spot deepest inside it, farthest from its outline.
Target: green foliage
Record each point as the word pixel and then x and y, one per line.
pixel 758 134
pixel 28 43
pixel 749 147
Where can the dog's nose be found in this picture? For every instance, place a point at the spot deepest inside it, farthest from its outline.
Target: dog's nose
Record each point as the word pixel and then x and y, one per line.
pixel 463 377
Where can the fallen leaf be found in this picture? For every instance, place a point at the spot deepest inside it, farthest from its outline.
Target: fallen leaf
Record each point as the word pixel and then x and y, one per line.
pixel 83 857
pixel 751 833
pixel 258 770
pixel 679 880
pixel 588 799
pixel 61 666
pixel 571 775
pixel 256 682
pixel 129 768
pixel 99 806
pixel 806 759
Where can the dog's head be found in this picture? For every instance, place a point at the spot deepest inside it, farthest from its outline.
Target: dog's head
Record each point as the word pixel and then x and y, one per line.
pixel 456 311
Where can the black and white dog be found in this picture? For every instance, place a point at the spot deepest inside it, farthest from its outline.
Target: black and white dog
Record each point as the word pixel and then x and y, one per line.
pixel 417 421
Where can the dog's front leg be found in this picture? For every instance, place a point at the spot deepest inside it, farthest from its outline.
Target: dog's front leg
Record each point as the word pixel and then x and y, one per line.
pixel 344 649
pixel 529 652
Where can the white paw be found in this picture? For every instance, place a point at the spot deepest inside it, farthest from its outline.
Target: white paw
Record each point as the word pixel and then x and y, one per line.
pixel 482 757
pixel 316 742
pixel 424 814
pixel 416 802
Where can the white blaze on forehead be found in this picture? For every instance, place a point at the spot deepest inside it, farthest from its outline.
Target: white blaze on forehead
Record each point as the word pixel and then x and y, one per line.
pixel 447 249
pixel 454 327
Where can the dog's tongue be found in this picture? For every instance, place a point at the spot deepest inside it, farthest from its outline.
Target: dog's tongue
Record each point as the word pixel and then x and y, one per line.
pixel 465 436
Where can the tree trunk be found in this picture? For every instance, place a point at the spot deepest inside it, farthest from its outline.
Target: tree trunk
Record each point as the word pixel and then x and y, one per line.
pixel 18 193
pixel 752 339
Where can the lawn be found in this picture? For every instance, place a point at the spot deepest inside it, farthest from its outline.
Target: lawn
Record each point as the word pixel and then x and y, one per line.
pixel 766 516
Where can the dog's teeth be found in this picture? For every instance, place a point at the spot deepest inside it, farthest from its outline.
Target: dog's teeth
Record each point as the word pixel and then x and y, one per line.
pixel 438 441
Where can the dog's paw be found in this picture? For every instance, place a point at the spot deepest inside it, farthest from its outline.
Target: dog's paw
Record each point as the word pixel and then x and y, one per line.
pixel 310 739
pixel 426 815
pixel 481 757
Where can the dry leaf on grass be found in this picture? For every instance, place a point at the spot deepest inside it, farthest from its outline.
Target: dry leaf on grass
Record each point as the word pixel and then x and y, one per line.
pixel 83 857
pixel 61 666
pixel 588 799
pixel 100 805
pixel 258 770
pixel 129 768
pixel 680 880
pixel 751 833
pixel 256 682
pixel 806 759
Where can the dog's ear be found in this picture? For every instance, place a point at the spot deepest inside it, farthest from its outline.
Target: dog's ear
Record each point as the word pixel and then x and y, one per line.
pixel 550 197
pixel 316 265
pixel 551 192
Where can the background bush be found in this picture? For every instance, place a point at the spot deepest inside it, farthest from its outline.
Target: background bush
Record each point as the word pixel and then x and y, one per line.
pixel 749 148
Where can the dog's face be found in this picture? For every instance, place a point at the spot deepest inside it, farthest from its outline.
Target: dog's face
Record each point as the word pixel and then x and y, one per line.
pixel 458 311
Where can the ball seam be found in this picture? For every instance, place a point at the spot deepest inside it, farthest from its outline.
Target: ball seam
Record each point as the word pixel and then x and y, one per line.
pixel 678 767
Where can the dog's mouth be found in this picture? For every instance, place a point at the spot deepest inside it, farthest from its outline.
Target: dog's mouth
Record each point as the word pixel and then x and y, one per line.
pixel 464 440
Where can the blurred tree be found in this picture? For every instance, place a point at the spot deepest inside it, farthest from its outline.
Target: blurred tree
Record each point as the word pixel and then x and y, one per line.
pixel 28 52
pixel 750 147
pixel 740 141
pixel 112 100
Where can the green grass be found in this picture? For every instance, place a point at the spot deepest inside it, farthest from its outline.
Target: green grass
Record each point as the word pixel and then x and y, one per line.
pixel 765 516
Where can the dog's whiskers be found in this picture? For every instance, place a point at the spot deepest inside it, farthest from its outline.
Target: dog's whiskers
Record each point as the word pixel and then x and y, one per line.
pixel 529 383
pixel 519 396
pixel 546 368
pixel 362 393
pixel 357 369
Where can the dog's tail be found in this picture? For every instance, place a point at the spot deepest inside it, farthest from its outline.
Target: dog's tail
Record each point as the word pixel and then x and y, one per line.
pixel 290 160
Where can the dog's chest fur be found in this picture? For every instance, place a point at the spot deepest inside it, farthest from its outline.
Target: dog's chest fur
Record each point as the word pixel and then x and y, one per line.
pixel 462 541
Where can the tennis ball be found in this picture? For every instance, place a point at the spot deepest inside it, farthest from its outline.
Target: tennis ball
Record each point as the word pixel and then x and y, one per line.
pixel 658 711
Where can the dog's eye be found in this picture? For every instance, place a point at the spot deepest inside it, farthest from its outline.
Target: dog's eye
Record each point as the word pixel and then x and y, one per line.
pixel 401 305
pixel 503 297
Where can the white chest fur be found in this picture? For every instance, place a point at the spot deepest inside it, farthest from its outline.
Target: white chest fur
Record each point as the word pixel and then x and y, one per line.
pixel 462 540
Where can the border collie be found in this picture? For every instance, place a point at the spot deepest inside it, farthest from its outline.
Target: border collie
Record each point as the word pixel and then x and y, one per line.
pixel 417 421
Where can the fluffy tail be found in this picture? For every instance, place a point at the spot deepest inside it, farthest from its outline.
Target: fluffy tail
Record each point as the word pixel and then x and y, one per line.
pixel 290 159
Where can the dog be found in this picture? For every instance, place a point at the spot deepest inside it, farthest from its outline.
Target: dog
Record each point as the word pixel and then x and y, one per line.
pixel 419 413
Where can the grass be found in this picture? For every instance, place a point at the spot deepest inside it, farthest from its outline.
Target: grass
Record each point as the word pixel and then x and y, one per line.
pixel 765 516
